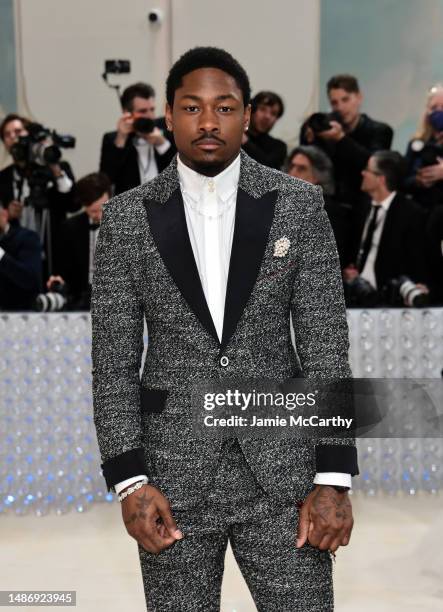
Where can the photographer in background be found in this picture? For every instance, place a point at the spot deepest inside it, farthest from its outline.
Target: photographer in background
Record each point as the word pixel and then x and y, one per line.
pixel 311 164
pixel 20 265
pixel 347 135
pixel 266 108
pixel 389 247
pixel 36 194
pixel 78 239
pixel 425 154
pixel 139 149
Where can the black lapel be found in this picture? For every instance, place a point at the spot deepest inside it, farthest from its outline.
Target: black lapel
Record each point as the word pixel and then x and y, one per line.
pixel 167 222
pixel 253 220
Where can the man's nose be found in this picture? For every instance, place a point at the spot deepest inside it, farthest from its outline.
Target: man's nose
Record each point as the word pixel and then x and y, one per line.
pixel 209 121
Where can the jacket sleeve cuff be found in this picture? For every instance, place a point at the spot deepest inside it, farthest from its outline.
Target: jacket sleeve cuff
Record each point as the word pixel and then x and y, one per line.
pixel 123 466
pixel 336 458
pixel 333 478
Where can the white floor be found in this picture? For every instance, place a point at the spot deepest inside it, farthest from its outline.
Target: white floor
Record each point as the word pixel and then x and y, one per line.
pixel 394 561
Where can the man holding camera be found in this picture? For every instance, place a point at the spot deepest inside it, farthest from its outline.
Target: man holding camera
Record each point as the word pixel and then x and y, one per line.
pixel 36 194
pixel 349 136
pixel 389 238
pixel 138 150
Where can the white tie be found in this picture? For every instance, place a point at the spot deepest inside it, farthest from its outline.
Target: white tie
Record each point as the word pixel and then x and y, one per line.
pixel 212 260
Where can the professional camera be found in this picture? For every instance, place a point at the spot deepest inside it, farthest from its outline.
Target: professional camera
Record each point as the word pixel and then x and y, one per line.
pixel 35 152
pixel 41 146
pixel 54 300
pixel 403 291
pixel 428 152
pixel 143 125
pixel 320 122
pixel 360 293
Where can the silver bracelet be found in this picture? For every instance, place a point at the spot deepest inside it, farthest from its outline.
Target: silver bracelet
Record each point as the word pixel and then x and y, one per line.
pixel 135 487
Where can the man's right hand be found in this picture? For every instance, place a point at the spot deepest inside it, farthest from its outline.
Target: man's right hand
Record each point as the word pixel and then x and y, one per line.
pixel 15 209
pixel 124 128
pixel 148 519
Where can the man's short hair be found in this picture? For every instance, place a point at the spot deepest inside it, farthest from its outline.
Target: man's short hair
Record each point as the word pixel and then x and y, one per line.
pixel 321 165
pixel 138 90
pixel 343 81
pixel 206 57
pixel 8 119
pixel 268 98
pixel 391 165
pixel 91 187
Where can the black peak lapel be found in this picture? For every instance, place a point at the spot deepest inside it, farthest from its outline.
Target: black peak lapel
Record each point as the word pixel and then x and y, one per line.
pixel 253 220
pixel 167 222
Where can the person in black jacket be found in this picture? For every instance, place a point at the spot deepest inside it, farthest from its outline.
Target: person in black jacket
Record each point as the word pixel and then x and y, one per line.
pixel 389 237
pixel 17 197
pixel 424 155
pixel 351 138
pixel 20 265
pixel 434 240
pixel 134 154
pixel 266 108
pixel 78 239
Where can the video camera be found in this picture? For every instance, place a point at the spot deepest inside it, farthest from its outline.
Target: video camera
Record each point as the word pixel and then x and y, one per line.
pixel 320 122
pixel 36 151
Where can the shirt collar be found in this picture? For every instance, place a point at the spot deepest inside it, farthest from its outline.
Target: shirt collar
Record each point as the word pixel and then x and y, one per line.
pixel 385 204
pixel 196 185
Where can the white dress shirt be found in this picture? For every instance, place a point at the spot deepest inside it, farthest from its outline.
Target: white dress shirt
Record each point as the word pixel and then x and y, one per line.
pixel 209 204
pixel 368 272
pixel 147 164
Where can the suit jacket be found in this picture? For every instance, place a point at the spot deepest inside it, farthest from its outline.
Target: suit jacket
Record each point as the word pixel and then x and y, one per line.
pixel 74 254
pixel 401 250
pixel 121 164
pixel 20 269
pixel 145 269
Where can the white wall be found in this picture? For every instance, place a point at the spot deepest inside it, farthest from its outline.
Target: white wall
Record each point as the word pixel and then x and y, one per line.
pixel 62 45
pixel 276 41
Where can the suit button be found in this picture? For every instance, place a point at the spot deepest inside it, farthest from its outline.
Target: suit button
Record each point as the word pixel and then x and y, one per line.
pixel 224 361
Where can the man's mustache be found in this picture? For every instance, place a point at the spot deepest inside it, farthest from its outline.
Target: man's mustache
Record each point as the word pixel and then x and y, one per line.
pixel 209 137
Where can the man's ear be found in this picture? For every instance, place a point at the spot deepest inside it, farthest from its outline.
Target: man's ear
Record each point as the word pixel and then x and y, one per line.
pixel 168 117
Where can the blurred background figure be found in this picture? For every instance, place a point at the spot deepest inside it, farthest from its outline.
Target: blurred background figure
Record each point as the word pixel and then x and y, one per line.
pixel 425 153
pixel 347 135
pixel 140 148
pixel 20 265
pixel 36 188
pixel 78 239
pixel 388 262
pixel 311 164
pixel 267 107
pixel 434 241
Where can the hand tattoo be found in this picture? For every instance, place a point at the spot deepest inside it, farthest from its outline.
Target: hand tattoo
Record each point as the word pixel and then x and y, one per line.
pixel 143 502
pixel 328 502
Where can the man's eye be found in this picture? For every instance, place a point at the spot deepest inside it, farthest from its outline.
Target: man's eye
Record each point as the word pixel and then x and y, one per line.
pixel 225 109
pixel 192 109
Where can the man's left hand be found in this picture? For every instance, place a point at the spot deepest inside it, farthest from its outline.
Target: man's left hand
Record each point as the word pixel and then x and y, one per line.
pixel 325 519
pixel 155 137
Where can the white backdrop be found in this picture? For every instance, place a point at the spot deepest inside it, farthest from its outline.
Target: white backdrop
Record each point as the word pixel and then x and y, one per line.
pixel 62 45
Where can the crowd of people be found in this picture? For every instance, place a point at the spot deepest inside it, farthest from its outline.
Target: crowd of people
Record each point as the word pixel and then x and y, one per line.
pixel 386 209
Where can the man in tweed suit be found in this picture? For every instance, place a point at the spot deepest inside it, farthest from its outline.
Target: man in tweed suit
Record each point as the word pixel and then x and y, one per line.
pixel 193 253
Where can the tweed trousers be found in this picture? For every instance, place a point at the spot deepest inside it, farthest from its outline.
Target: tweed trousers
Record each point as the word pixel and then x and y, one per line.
pixel 187 577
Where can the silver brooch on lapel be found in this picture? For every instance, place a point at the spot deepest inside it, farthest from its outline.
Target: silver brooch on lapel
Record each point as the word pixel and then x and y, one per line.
pixel 281 247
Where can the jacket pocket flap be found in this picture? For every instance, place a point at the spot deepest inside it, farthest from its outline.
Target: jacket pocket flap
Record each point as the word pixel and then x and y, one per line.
pixel 153 400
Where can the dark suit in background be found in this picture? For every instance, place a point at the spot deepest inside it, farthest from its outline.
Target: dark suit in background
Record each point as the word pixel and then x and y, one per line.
pixel 401 250
pixel 434 241
pixel 20 268
pixel 266 149
pixel 74 259
pixel 121 163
